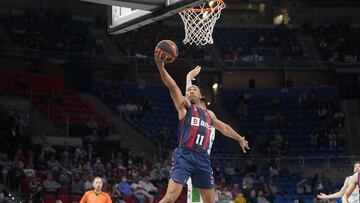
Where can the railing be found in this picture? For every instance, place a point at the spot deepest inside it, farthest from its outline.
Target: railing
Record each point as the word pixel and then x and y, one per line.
pixel 314 161
pixel 268 62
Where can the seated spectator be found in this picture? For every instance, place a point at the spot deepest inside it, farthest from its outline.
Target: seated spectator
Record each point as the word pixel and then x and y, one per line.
pixel 302 187
pixel 54 165
pixel 29 171
pixel 50 185
pixel 240 198
pixel 262 186
pixel 261 198
pixel 98 168
pixel 248 182
pixel 36 190
pixel 236 190
pixel 147 185
pixel 124 187
pixel 227 194
pixel 64 178
pixel 253 197
pixel 116 195
pixel 77 185
pixel 274 170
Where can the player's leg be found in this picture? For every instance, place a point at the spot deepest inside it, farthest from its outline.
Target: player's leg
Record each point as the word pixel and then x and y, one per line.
pixel 179 174
pixel 207 195
pixel 173 191
pixel 204 181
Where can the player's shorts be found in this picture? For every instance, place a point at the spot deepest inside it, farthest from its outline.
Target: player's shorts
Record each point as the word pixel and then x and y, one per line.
pixel 187 163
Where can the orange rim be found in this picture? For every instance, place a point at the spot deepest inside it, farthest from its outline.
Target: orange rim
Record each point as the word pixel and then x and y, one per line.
pixel 199 10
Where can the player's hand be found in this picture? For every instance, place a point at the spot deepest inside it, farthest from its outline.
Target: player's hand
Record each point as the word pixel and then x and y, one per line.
pixel 244 144
pixel 158 60
pixel 322 196
pixel 193 73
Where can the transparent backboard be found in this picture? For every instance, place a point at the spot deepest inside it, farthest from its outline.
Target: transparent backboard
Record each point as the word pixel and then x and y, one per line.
pixel 123 16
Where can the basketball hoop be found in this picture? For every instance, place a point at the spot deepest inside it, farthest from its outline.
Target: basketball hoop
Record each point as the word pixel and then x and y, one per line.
pixel 199 22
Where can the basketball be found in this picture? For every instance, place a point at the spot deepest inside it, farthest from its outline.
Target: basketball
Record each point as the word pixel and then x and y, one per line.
pixel 169 50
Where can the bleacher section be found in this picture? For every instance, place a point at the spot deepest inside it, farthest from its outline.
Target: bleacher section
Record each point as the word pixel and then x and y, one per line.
pixel 265 42
pixel 49 30
pixel 299 119
pixel 51 97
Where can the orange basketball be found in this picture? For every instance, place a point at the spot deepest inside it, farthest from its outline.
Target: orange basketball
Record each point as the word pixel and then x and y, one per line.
pixel 169 50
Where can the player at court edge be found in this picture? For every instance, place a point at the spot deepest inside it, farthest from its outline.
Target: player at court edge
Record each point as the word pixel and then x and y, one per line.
pixel 96 195
pixel 354 197
pixel 353 183
pixel 190 158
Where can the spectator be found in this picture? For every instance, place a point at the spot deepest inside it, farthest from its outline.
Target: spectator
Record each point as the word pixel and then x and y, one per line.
pixel 262 186
pixel 98 168
pixel 261 198
pixel 36 190
pixel 274 169
pixel 77 185
pixel 235 191
pixel 115 195
pixel 240 198
pixel 227 194
pixel 248 182
pixel 124 187
pixel 88 182
pixel 253 197
pixel 54 165
pixel 64 178
pixel 147 185
pixel 50 185
pixel 302 187
pixel 29 171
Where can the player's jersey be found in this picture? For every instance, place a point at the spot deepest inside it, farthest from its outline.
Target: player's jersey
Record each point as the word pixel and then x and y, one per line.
pixel 195 129
pixel 354 197
pixel 193 194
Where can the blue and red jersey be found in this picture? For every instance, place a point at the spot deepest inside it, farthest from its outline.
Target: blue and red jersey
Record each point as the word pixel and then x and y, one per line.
pixel 195 129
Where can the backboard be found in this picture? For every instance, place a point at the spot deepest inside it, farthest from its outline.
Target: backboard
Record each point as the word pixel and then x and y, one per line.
pixel 127 15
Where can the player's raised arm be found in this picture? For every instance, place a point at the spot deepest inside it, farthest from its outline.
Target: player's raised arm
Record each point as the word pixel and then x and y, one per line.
pixel 229 132
pixel 179 100
pixel 351 187
pixel 340 193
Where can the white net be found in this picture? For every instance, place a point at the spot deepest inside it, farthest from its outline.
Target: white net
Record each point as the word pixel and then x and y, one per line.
pixel 200 22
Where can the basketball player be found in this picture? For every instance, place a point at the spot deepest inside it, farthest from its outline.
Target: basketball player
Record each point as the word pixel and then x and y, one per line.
pixel 354 182
pixel 193 194
pixel 354 198
pixel 190 158
pixel 96 195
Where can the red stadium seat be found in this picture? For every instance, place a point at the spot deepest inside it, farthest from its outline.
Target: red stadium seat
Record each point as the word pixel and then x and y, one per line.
pixel 64 190
pixel 24 186
pixel 64 198
pixel 75 198
pixel 49 199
